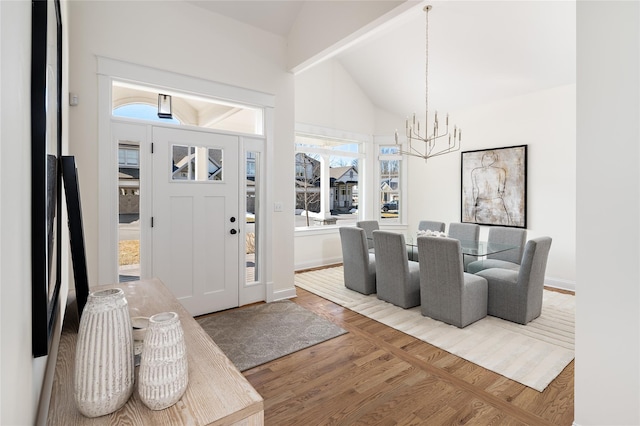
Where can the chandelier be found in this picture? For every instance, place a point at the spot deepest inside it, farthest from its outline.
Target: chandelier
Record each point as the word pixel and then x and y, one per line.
pixel 434 143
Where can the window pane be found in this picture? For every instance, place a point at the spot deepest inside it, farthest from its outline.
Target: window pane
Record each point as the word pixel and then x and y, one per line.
pixel 187 109
pixel 252 218
pixel 343 178
pixel 194 163
pixel 215 164
pixel 389 190
pixel 326 180
pixel 128 212
pixel 307 183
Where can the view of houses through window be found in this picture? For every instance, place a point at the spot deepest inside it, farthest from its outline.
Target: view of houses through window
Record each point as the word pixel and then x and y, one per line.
pixel 390 161
pixel 129 210
pixel 326 181
pixel 253 224
pixel 328 185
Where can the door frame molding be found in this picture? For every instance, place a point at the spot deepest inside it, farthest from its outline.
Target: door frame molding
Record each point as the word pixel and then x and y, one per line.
pixel 109 70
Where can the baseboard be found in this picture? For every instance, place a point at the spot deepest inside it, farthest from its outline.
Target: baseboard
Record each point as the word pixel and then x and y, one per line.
pixel 560 284
pixel 317 263
pixel 287 293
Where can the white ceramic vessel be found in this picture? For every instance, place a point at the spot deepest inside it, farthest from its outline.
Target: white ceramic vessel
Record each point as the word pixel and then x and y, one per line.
pixel 164 372
pixel 104 378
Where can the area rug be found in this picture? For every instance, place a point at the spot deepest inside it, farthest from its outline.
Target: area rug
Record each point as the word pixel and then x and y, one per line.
pixel 533 355
pixel 261 333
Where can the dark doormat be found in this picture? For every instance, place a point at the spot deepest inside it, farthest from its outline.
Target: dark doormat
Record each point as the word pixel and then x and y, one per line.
pixel 261 333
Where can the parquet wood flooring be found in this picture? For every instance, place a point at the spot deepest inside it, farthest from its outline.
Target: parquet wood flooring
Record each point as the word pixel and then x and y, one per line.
pixel 376 375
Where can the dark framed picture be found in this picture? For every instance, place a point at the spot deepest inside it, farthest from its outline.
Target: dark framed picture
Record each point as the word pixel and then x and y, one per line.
pixel 76 230
pixel 494 186
pixel 46 146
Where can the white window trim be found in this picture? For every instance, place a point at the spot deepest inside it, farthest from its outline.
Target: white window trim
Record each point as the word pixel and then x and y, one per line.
pixel 364 141
pixel 381 141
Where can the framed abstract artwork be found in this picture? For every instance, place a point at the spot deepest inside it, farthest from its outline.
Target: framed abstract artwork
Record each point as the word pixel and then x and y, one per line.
pixel 46 146
pixel 494 186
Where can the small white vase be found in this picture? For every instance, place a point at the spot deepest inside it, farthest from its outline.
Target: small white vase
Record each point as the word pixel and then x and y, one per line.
pixel 164 372
pixel 103 380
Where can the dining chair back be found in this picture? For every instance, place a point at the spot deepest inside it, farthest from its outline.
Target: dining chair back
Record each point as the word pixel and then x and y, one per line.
pixel 431 225
pixel 517 295
pixel 397 278
pixel 447 293
pixel 369 226
pixel 509 259
pixel 467 232
pixel 358 265
pixel 513 236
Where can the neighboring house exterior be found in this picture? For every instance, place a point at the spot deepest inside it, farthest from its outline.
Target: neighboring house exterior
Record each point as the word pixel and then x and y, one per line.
pixel 389 189
pixel 128 179
pixel 343 182
pixel 307 183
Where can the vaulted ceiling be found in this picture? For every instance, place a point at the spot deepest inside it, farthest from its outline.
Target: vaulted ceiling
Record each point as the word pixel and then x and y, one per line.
pixel 479 51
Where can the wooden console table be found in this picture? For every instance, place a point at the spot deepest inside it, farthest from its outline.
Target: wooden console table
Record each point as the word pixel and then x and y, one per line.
pixel 217 394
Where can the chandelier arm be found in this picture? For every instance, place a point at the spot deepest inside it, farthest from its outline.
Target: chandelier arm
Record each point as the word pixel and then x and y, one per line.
pixel 445 151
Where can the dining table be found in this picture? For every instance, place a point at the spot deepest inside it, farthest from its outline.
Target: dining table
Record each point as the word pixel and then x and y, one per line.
pixel 468 247
pixel 473 248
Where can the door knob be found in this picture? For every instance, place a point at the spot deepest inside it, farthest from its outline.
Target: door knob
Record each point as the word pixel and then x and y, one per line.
pixel 233 219
pixel 233 232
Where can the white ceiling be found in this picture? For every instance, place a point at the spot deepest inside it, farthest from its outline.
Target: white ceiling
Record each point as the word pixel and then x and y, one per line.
pixel 479 51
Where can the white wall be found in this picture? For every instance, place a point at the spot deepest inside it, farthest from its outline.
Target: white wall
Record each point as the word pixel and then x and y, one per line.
pixel 25 381
pixel 545 121
pixel 607 379
pixel 16 376
pixel 195 43
pixel 326 96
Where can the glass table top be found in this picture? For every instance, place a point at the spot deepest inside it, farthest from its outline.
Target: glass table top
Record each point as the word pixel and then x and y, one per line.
pixel 472 248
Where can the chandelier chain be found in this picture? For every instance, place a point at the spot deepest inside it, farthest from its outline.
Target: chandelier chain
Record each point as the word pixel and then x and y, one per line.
pixel 426 65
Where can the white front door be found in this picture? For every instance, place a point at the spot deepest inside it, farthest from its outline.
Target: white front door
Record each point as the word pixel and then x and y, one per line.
pixel 195 217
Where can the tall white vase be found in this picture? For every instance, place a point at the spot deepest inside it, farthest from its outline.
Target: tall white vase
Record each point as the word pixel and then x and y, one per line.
pixel 104 378
pixel 164 372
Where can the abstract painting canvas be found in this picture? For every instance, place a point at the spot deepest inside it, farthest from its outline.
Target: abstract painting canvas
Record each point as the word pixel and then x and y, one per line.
pixel 494 186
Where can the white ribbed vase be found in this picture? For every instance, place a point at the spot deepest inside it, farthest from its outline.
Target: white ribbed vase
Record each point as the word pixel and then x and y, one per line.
pixel 164 373
pixel 104 378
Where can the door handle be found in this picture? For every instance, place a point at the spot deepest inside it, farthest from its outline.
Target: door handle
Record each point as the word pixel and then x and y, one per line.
pixel 233 231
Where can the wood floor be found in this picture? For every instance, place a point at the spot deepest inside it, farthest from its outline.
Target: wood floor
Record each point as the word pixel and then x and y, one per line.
pixel 375 375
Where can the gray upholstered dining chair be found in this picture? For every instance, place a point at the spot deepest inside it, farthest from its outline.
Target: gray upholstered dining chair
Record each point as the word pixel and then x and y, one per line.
pixel 517 295
pixel 467 232
pixel 397 278
pixel 447 293
pixel 431 225
pixel 425 225
pixel 358 265
pixel 369 226
pixel 509 259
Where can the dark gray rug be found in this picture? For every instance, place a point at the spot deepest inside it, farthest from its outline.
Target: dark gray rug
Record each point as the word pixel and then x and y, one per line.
pixel 261 333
